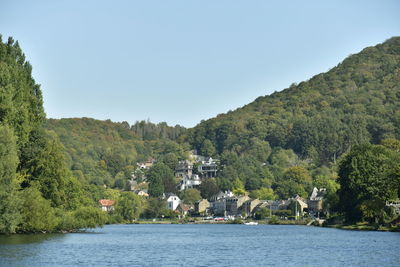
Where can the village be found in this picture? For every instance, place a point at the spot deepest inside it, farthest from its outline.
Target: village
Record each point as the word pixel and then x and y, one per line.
pixel 225 205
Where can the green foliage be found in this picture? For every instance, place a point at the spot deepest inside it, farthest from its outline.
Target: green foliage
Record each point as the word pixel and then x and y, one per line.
pixel 295 181
pixel 128 207
pixel 37 191
pixel 37 213
pixel 161 180
pixel 155 207
pixel 9 203
pixel 369 176
pixel 264 193
pixel 208 188
pixel 190 196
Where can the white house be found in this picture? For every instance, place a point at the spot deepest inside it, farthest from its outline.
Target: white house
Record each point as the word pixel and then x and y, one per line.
pixel 189 182
pixel 172 202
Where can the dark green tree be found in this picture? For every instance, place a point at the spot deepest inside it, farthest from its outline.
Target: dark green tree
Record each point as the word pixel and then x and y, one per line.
pixel 368 176
pixel 9 202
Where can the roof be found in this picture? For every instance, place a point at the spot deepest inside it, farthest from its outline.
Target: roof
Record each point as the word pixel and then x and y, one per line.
pixel 184 207
pixel 106 202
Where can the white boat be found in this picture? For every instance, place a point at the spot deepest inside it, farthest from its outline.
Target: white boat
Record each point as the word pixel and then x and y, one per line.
pixel 251 223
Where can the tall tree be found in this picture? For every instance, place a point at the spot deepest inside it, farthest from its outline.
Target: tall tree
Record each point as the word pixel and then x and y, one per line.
pixel 9 202
pixel 368 175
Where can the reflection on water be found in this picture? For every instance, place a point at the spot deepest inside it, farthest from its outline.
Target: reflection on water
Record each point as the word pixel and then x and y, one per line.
pixel 20 248
pixel 26 238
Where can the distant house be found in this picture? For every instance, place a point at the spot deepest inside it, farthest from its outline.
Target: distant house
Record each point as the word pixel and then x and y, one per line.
pixel 234 204
pixel 192 181
pixel 173 201
pixel 316 199
pixel 146 164
pixel 142 193
pixel 184 169
pixel 201 206
pixel 301 205
pixel 106 204
pixel 208 168
pixel 183 208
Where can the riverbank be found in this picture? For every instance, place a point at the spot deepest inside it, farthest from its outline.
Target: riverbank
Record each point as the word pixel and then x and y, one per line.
pixel 365 227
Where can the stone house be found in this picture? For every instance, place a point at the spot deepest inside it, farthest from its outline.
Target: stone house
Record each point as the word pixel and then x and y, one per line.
pixel 316 199
pixel 233 204
pixel 202 206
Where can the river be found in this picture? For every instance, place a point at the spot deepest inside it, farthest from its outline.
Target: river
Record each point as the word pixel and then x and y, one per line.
pixel 203 245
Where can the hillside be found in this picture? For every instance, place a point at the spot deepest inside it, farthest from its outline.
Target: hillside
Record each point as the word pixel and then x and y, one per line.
pixel 355 102
pixel 105 152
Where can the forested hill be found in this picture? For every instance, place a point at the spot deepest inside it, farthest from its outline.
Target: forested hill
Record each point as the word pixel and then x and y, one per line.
pixel 355 102
pixel 105 152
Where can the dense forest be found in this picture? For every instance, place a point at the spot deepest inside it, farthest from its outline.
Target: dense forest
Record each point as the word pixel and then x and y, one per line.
pixel 339 130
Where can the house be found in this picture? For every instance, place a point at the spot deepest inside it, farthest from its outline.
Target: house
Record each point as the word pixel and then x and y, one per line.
pixel 221 195
pixel 192 181
pixel 316 199
pixel 218 202
pixel 146 164
pixel 301 205
pixel 183 209
pixel 234 204
pixel 184 168
pixel 208 168
pixel 173 201
pixel 142 193
pixel 106 204
pixel 201 206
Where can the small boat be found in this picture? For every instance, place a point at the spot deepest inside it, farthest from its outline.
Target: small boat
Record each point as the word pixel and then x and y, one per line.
pixel 251 223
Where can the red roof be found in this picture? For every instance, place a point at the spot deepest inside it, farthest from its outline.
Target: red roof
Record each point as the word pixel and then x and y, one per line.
pixel 106 202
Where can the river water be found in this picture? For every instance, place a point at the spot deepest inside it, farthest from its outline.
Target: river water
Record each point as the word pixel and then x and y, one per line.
pixel 203 245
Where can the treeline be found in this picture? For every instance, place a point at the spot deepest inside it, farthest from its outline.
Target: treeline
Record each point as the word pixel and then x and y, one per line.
pixel 37 190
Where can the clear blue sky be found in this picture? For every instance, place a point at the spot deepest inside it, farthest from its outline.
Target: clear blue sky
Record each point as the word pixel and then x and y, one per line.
pixel 184 61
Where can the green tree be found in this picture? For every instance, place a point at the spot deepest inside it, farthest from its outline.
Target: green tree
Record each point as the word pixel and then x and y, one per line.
pixel 9 202
pixel 190 196
pixel 129 206
pixel 208 188
pixel 37 213
pixel 296 181
pixel 161 179
pixel 368 176
pixel 208 149
pixel 264 193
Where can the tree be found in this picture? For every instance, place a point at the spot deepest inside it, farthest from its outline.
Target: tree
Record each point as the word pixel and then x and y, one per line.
pixel 9 202
pixel 37 213
pixel 129 206
pixel 161 179
pixel 368 176
pixel 207 148
pixel 295 181
pixel 208 188
pixel 264 193
pixel 190 196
